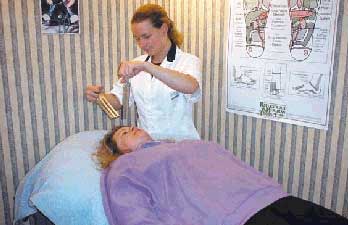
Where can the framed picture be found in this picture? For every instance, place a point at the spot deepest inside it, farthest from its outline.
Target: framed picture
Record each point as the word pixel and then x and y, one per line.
pixel 60 16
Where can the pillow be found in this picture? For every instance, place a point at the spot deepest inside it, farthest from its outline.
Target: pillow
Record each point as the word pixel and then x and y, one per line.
pixel 65 185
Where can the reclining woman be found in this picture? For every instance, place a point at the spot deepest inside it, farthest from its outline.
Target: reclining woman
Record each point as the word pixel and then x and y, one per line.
pixel 192 182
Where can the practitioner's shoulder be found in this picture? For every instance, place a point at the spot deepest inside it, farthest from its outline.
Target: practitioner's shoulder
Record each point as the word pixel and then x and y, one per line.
pixel 186 55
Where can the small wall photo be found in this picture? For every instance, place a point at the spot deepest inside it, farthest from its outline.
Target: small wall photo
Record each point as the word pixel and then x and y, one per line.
pixel 60 16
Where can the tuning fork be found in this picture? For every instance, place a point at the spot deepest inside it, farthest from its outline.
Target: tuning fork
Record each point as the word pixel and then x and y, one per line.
pixel 105 105
pixel 125 102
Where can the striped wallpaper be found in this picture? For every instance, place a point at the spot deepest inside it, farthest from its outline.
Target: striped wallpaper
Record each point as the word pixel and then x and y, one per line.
pixel 43 79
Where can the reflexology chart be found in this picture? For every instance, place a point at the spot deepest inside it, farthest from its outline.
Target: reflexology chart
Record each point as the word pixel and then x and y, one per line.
pixel 280 59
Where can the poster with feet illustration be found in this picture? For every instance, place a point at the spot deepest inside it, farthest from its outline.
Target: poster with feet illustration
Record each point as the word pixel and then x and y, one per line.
pixel 280 59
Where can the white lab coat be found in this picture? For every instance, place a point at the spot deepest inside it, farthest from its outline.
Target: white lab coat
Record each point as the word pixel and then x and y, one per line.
pixel 163 112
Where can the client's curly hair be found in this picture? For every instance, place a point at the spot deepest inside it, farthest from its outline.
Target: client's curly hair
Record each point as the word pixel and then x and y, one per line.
pixel 107 150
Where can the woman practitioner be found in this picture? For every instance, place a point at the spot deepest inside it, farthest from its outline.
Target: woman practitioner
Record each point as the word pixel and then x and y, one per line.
pixel 164 83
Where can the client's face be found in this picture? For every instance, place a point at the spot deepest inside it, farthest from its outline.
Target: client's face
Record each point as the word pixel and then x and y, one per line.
pixel 129 138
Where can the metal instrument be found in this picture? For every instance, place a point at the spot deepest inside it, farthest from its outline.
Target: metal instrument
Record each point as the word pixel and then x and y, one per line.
pixel 125 104
pixel 105 105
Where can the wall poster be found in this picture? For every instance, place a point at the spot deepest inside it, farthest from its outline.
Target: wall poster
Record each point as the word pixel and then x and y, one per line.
pixel 280 59
pixel 59 16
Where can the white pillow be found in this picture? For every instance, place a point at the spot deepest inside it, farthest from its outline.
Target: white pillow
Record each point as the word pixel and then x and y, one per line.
pixel 65 185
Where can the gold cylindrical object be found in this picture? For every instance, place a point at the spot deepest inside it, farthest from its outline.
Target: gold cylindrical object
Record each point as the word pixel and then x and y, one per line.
pixel 105 105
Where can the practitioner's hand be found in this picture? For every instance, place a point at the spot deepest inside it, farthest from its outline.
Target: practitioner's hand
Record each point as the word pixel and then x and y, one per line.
pixel 92 92
pixel 129 69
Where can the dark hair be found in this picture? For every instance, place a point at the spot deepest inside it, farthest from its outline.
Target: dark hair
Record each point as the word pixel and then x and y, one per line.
pixel 109 143
pixel 158 16
pixel 107 150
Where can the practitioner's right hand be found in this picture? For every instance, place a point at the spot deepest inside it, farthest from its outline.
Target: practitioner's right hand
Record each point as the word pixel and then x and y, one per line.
pixel 92 92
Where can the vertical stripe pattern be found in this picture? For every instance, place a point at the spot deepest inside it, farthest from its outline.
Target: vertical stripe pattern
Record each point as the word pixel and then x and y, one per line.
pixel 43 78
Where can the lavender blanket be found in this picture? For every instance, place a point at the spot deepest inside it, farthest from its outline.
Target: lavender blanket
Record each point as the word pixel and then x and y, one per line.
pixel 185 183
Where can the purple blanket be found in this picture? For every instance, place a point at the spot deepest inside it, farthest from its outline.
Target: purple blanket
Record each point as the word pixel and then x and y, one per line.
pixel 185 183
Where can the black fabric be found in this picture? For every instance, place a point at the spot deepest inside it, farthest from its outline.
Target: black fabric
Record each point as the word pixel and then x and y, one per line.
pixel 295 211
pixel 170 55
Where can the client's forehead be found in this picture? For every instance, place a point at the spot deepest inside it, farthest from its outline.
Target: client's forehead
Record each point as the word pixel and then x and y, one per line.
pixel 122 129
